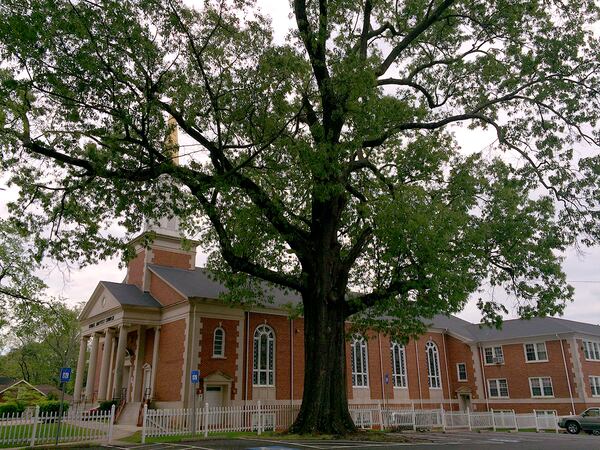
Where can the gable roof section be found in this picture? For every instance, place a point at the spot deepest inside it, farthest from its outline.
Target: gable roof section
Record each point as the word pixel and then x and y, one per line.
pixel 199 283
pixel 6 388
pixel 130 295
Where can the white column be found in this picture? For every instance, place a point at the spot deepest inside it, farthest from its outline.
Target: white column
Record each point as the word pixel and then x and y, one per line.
pixel 80 368
pixel 154 360
pixel 102 387
pixel 111 369
pixel 120 360
pixel 89 385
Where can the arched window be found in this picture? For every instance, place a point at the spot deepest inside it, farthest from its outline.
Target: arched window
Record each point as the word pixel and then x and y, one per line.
pixel 398 365
pixel 219 342
pixel 433 365
pixel 264 356
pixel 360 363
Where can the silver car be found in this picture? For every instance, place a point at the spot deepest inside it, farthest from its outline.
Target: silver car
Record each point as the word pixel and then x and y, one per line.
pixel 588 421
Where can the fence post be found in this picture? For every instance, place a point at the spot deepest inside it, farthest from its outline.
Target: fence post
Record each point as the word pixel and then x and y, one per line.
pixel 493 420
pixel 515 419
pixel 414 418
pixel 259 419
pixel 555 422
pixel 469 418
pixel 144 424
pixel 537 425
pixel 380 415
pixel 111 423
pixel 443 417
pixel 206 419
pixel 35 421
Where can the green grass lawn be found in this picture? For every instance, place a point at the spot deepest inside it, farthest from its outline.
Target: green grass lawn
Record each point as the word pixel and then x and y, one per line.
pixel 45 431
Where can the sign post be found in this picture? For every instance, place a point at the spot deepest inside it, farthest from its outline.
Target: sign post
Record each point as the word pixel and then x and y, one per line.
pixel 65 376
pixel 195 374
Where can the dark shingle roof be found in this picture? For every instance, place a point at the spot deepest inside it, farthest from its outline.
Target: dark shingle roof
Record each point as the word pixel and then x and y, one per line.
pixel 199 283
pixel 538 326
pixel 130 295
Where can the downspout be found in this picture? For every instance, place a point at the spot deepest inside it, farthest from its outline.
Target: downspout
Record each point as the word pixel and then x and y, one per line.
pixel 447 373
pixel 292 362
pixel 246 362
pixel 566 374
pixel 381 369
pixel 485 385
pixel 419 374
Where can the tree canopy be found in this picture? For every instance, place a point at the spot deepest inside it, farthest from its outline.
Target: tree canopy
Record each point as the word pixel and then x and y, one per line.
pixel 324 164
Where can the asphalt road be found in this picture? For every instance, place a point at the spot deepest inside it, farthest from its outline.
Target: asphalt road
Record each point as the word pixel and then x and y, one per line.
pixel 453 440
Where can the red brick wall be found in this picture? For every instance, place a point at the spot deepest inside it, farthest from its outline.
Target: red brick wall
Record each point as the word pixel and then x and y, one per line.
pixel 172 259
pixel 170 361
pixel 281 327
pixel 588 368
pixel 459 352
pixel 135 270
pixel 517 371
pixel 162 292
pixel 208 364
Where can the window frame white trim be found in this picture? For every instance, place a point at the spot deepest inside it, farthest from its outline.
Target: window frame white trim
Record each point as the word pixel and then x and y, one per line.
pixel 257 352
pixel 597 378
pixel 586 354
pixel 535 351
pixel 216 355
pixel 494 355
pixel 354 374
pixel 402 376
pixel 438 376
pixel 458 378
pixel 541 387
pixel 497 381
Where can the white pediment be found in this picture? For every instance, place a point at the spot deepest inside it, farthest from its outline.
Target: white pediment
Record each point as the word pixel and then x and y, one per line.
pixel 99 303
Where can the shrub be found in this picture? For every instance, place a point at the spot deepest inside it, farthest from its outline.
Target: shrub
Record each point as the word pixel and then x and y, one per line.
pixel 106 405
pixel 52 406
pixel 11 408
pixel 52 396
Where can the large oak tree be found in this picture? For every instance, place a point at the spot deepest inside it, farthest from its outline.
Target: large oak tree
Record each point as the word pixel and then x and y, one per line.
pixel 326 164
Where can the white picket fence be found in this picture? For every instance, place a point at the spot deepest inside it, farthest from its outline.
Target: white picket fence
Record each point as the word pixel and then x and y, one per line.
pixel 260 417
pixel 42 428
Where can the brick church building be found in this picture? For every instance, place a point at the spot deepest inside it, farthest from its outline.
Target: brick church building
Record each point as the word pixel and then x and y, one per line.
pixel 142 337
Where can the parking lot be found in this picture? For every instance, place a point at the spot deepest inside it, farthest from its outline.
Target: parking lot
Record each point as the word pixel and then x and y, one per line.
pixel 451 440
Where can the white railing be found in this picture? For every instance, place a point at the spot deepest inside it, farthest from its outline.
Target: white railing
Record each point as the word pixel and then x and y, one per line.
pixel 260 417
pixel 43 428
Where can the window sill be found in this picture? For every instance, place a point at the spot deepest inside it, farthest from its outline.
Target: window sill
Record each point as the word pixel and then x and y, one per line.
pixel 360 387
pixel 435 388
pixel 537 361
pixel 462 381
pixel 542 396
pixel 401 387
pixel 493 364
pixel 218 357
pixel 263 385
pixel 498 398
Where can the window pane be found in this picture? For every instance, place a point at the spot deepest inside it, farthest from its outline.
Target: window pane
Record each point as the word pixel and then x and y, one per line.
pixel 488 355
pixel 541 350
pixel 530 351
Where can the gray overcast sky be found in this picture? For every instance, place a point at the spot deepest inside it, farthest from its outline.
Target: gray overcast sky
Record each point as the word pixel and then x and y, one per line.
pixel 583 270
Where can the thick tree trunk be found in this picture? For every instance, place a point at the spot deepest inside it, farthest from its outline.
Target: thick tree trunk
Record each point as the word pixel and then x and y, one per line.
pixel 324 403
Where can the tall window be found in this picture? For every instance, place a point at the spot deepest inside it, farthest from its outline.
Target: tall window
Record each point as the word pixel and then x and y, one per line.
pixel 541 387
pixel 398 365
pixel 595 386
pixel 536 352
pixel 461 371
pixel 433 365
pixel 264 354
pixel 360 364
pixel 219 342
pixel 591 350
pixel 498 388
pixel 494 355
